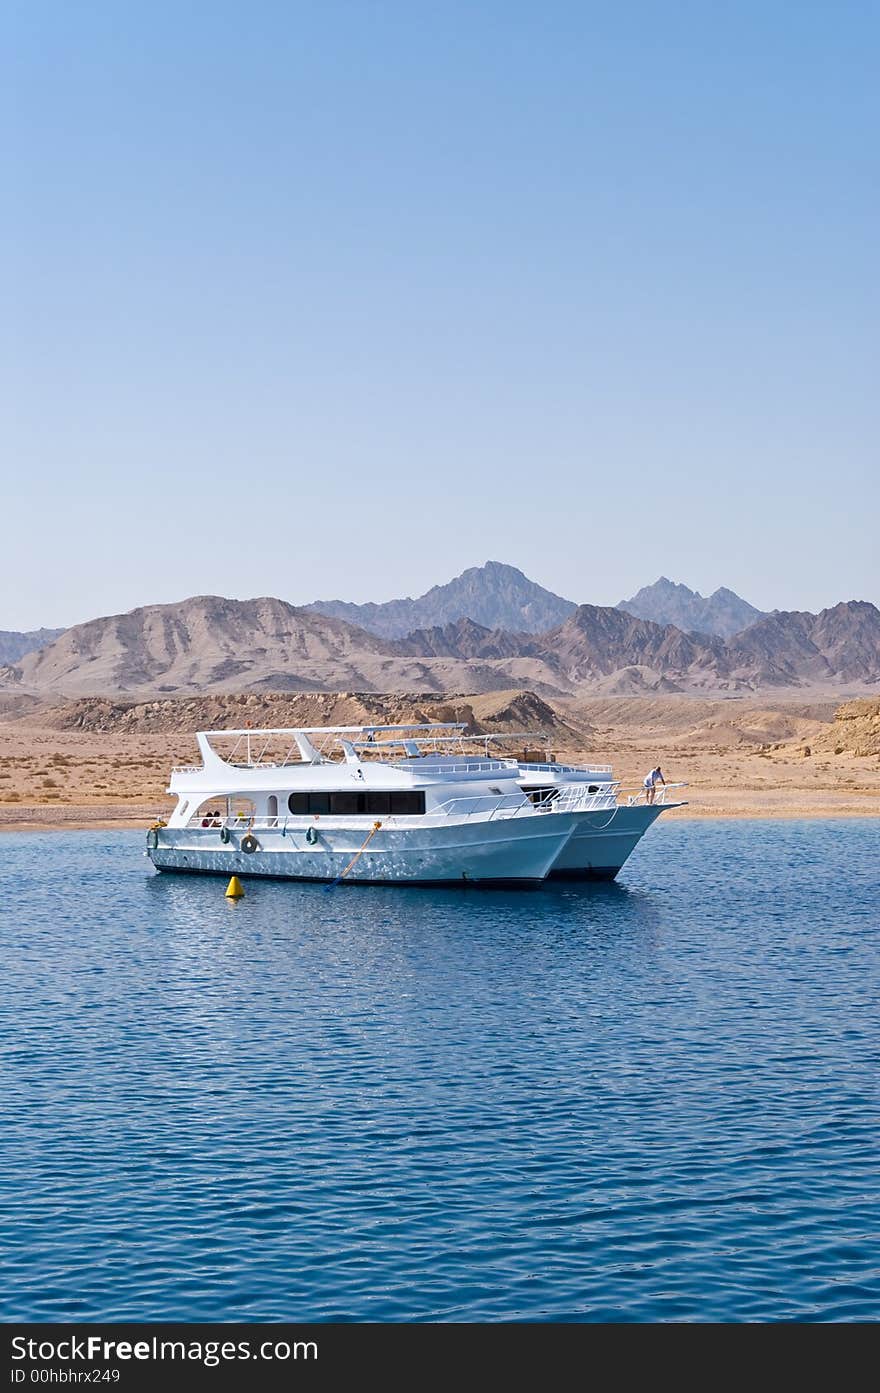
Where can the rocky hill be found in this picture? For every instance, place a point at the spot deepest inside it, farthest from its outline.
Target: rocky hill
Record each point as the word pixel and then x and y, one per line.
pixel 841 644
pixel 856 729
pixel 465 639
pixel 501 712
pixel 597 642
pixel 723 613
pixel 200 643
pixel 495 596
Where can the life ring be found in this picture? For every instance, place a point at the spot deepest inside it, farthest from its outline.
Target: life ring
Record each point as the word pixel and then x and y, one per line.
pixel 224 834
pixel 312 836
pixel 249 843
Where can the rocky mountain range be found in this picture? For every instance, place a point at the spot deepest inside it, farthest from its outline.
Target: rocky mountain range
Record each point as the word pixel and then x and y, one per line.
pixel 665 602
pixel 498 596
pixel 494 596
pixel 211 644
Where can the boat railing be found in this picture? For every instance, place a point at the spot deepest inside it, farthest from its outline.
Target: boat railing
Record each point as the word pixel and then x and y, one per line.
pixel 453 807
pixel 423 765
pixel 575 798
pixel 506 805
pixel 567 798
pixel 639 798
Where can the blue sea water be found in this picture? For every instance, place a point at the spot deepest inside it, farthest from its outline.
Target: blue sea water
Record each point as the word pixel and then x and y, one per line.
pixel 655 1100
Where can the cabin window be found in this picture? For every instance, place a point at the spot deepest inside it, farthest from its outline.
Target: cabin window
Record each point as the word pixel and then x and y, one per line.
pixel 409 803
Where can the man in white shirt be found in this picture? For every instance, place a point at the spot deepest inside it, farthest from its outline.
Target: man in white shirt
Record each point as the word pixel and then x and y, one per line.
pixel 651 781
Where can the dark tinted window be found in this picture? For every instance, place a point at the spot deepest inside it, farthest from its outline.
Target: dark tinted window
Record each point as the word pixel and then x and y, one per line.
pixel 300 803
pixel 406 804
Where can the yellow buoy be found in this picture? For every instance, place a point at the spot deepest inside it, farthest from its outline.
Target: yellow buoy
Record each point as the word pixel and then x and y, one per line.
pixel 234 889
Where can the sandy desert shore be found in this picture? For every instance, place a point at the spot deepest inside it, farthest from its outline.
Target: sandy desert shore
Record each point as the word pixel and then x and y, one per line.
pixel 739 760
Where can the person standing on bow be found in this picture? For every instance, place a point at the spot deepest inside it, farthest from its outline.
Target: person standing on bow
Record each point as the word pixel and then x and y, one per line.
pixel 651 781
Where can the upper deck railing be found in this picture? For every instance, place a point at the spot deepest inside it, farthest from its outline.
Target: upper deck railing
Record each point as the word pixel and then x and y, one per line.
pixel 279 747
pixel 423 765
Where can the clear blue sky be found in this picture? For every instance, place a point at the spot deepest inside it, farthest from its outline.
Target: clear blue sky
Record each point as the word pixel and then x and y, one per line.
pixel 335 299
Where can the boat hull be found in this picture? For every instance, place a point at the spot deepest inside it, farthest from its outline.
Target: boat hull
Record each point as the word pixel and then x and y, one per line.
pixel 508 851
pixel 601 842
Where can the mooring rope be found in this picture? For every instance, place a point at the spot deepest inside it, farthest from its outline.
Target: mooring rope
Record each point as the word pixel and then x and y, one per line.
pixel 369 837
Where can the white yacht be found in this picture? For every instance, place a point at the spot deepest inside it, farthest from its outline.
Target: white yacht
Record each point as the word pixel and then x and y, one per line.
pixel 380 804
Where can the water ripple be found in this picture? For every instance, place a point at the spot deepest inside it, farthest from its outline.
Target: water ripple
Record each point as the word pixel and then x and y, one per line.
pixel 655 1100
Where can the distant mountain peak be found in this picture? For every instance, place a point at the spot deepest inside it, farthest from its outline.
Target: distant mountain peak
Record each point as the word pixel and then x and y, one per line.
pixel 494 595
pixel 723 613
